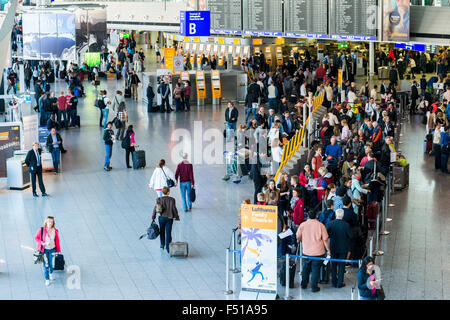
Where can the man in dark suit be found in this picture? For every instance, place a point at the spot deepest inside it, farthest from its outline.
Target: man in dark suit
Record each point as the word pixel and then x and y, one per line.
pixel 289 125
pixel 340 244
pixel 231 117
pixel 34 162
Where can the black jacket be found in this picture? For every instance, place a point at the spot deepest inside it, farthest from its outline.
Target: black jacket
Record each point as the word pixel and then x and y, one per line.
pixel 233 115
pixel 52 124
pixel 31 161
pixel 261 119
pixel 254 92
pixel 385 159
pixel 150 93
pixel 50 141
pixel 414 93
pixel 285 125
pixel 340 236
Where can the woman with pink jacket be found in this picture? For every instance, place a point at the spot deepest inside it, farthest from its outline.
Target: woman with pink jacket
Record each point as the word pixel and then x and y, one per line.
pixel 47 239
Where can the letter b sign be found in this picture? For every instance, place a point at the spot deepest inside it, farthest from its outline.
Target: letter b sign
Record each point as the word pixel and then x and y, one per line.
pixel 192 29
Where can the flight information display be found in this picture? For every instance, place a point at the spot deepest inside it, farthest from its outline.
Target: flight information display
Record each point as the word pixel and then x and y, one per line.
pixel 225 16
pixel 306 18
pixel 353 19
pixel 263 18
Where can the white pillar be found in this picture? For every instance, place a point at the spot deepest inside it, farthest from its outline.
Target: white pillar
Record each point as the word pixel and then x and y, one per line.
pixel 21 78
pixel 371 60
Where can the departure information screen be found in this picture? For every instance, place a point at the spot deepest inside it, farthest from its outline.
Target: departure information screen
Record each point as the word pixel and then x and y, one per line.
pixel 306 18
pixel 225 16
pixel 353 19
pixel 263 18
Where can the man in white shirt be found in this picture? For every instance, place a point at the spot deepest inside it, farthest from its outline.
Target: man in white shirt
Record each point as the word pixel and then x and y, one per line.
pixel 370 108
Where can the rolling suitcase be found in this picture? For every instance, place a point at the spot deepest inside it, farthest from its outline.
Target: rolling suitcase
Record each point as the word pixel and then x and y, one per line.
pixel 59 262
pixel 127 93
pixel 372 212
pixel 179 249
pixel 139 159
pixel 324 274
pixel 401 177
pixel 292 268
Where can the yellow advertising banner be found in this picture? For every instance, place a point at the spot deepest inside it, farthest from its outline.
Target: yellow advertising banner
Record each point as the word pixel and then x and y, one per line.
pixel 169 53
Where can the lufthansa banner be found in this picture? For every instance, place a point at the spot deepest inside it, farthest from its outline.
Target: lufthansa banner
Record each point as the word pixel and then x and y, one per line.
pixel 396 15
pixel 259 252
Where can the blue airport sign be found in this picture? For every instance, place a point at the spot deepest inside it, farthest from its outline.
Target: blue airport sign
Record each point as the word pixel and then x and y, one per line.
pixel 195 23
pixel 305 35
pixel 411 46
pixel 353 38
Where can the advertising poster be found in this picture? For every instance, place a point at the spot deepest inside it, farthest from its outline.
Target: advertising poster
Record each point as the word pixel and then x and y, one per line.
pixel 49 36
pixel 169 54
pixel 9 142
pixel 92 59
pixel 30 130
pixel 396 20
pixel 91 35
pixel 259 250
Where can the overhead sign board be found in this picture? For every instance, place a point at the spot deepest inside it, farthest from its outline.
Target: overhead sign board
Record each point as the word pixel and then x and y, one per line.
pixel 195 23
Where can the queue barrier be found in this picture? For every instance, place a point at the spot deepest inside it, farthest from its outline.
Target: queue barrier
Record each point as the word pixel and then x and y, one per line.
pixel 300 137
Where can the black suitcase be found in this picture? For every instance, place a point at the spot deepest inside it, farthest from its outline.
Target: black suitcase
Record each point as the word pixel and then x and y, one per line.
pixel 59 262
pixel 139 159
pixel 292 269
pixel 324 273
pixel 127 93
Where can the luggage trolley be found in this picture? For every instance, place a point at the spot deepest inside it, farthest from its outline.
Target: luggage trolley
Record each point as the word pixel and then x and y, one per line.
pixel 233 169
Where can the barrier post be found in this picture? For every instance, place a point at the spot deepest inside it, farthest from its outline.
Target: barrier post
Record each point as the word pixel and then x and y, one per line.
pixel 286 292
pixel 234 268
pixel 371 246
pixel 384 213
pixel 359 266
pixel 300 269
pixel 227 273
pixel 378 252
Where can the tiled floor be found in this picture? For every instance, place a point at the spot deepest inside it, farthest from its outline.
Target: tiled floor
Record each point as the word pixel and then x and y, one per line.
pixel 100 216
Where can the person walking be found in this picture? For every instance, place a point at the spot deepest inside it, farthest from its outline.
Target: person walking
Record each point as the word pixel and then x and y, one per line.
pixel 167 214
pixel 62 111
pixel 160 178
pixel 47 239
pixel 28 74
pixel 231 117
pixel 185 174
pixel 34 164
pixel 314 237
pixel 54 143
pixel 134 82
pixel 150 96
pixel 73 103
pixel 123 118
pixel 130 144
pixel 340 245
pixel 187 95
pixel 108 138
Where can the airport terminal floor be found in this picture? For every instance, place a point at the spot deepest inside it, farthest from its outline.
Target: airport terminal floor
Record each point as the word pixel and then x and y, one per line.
pixel 100 216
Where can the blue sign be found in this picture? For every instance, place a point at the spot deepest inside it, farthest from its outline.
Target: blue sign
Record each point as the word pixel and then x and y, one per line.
pixel 195 23
pixel 231 32
pixel 306 35
pixel 353 38
pixel 263 33
pixel 411 46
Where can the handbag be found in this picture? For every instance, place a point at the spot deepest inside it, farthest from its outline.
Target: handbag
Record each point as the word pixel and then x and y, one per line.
pixel 380 294
pixel 117 123
pixel 192 195
pixel 169 181
pixel 152 231
pixel 378 176
pixel 38 255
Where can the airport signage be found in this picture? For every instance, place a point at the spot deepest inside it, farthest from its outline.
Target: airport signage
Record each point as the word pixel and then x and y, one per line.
pixel 353 38
pixel 305 35
pixel 195 23
pixel 411 46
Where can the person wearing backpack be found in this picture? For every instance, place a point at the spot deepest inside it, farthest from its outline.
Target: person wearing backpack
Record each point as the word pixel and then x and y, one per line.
pixel 166 208
pixel 122 116
pixel 129 144
pixel 47 239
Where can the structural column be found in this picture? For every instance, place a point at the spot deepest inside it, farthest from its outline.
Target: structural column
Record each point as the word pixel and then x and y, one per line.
pixel 371 60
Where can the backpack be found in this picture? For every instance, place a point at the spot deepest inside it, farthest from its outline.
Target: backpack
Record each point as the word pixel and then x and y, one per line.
pixel 100 103
pixel 126 142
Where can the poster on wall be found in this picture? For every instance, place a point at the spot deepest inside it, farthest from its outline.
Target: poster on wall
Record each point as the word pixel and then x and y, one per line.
pixel 91 34
pixel 9 142
pixel 49 36
pixel 396 15
pixel 30 130
pixel 259 252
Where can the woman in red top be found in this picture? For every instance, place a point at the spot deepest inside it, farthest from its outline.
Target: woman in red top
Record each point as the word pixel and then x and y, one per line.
pixel 62 113
pixel 47 239
pixel 307 174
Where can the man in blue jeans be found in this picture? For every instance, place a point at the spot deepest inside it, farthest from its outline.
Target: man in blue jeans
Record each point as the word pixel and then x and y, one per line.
pixel 231 116
pixel 314 238
pixel 54 142
pixel 185 174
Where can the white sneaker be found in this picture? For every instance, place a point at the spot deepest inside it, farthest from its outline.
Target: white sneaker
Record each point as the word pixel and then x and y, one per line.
pixel 51 277
pixel 47 283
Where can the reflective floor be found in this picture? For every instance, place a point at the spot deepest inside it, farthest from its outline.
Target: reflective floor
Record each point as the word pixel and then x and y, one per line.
pixel 101 215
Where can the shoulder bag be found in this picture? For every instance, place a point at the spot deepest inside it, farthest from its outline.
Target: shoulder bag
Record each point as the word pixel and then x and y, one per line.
pixel 38 255
pixel 169 181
